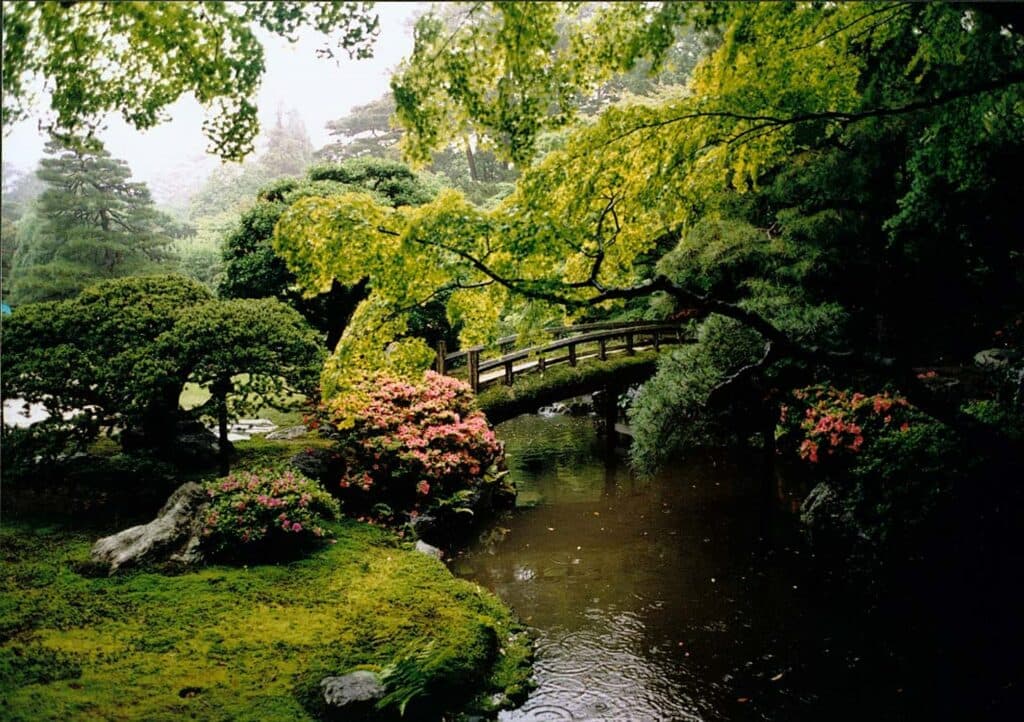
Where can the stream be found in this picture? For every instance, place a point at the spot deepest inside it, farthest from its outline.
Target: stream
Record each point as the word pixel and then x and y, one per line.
pixel 661 599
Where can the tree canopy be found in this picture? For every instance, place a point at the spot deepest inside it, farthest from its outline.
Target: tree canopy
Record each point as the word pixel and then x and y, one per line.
pixel 253 270
pixel 91 222
pixel 117 356
pixel 138 58
pixel 839 133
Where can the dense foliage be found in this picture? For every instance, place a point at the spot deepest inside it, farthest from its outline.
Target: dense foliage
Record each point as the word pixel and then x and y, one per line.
pixel 117 356
pixel 160 51
pixel 265 510
pixel 253 270
pixel 821 175
pixel 248 353
pixel 92 222
pixel 413 446
pixel 95 357
pixel 882 466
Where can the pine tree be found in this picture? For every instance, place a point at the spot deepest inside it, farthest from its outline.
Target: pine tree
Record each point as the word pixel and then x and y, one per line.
pixel 93 223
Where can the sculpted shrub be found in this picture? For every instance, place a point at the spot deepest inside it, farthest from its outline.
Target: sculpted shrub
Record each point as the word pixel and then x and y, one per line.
pixel 253 509
pixel 414 446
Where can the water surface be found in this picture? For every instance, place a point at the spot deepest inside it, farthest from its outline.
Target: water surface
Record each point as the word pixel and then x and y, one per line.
pixel 670 598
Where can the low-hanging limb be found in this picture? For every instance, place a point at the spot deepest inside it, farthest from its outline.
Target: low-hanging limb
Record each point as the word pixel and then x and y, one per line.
pixel 779 345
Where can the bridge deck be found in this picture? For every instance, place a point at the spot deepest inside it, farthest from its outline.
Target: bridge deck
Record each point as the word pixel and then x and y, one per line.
pixel 587 341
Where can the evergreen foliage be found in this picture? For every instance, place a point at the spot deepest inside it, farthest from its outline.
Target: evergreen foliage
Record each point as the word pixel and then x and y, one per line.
pixel 117 356
pixel 91 223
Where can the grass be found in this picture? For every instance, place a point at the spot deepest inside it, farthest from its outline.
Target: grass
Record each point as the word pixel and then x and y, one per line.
pixel 230 643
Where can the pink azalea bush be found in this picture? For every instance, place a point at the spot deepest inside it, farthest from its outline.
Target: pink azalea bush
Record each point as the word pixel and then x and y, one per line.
pixel 416 444
pixel 829 426
pixel 253 508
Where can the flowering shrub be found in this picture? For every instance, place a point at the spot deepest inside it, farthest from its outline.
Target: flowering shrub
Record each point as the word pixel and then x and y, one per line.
pixel 887 465
pixel 830 426
pixel 415 445
pixel 252 508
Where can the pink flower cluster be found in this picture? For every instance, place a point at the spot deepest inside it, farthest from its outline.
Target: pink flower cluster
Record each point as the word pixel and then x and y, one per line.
pixel 836 422
pixel 251 506
pixel 414 442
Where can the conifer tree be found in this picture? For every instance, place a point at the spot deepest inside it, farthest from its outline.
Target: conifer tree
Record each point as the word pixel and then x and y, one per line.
pixel 93 223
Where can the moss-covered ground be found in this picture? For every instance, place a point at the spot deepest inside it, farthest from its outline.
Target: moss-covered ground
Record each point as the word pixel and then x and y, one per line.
pixel 243 643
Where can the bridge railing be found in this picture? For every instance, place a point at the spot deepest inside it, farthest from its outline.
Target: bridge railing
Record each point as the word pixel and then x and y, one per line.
pixel 567 347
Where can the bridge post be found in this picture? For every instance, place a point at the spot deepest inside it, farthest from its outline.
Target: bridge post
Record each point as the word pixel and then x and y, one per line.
pixel 473 361
pixel 629 345
pixel 508 373
pixel 442 351
pixel 610 413
pixel 572 354
pixel 602 349
pixel 541 362
pixel 657 341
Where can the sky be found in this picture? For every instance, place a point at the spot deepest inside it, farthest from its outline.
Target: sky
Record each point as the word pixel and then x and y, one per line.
pixel 320 89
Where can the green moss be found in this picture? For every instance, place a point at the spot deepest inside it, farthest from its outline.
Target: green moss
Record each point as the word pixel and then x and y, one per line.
pixel 533 390
pixel 229 643
pixel 258 452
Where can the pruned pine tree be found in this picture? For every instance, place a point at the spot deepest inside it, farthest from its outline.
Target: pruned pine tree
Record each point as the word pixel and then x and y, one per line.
pixel 93 223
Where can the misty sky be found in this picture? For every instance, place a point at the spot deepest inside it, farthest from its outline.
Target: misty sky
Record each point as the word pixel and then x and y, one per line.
pixel 319 89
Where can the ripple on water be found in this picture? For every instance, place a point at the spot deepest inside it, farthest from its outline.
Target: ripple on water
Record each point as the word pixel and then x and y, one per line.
pixel 602 673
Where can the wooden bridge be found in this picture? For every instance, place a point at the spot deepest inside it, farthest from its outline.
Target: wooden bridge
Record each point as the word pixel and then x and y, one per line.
pixel 571 345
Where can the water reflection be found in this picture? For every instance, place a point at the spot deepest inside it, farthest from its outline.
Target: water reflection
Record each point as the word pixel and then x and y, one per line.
pixel 652 599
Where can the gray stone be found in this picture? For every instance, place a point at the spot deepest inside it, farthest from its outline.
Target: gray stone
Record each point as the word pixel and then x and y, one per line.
pixel 256 425
pixel 314 463
pixel 288 433
pixel 423 548
pixel 355 688
pixel 199 447
pixel 821 508
pixel 174 534
pixel 994 358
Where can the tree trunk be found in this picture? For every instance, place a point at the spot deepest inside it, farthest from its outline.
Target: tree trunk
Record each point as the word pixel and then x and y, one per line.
pixel 220 390
pixel 222 427
pixel 341 304
pixel 471 160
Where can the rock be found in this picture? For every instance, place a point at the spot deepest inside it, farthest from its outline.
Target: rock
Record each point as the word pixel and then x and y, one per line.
pixel 353 692
pixel 196 446
pixel 174 534
pixel 822 508
pixel 254 426
pixel 288 433
pixel 555 409
pixel 317 464
pixel 994 358
pixel 423 548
